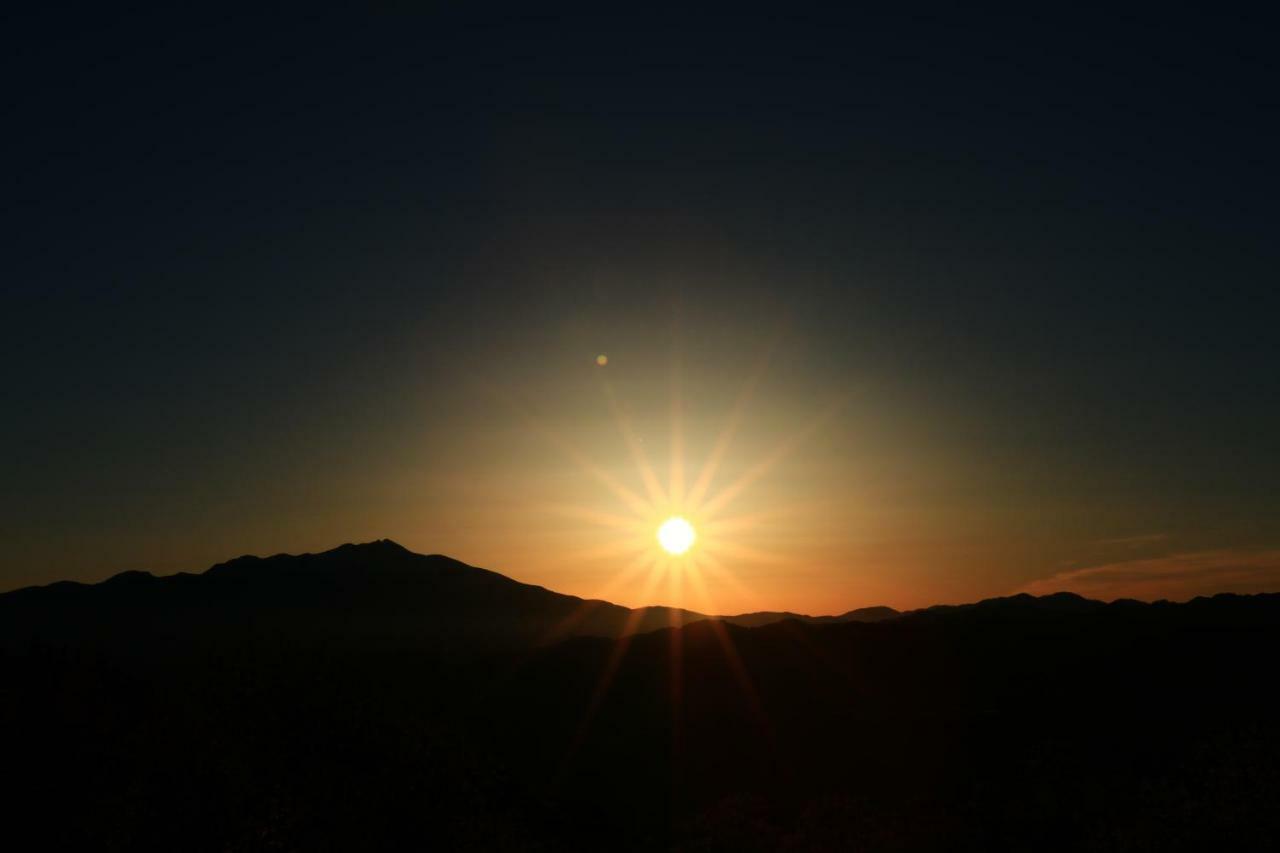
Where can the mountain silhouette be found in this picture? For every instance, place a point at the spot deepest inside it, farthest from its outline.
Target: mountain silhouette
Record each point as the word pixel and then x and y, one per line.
pixel 372 698
pixel 377 593
pixel 768 617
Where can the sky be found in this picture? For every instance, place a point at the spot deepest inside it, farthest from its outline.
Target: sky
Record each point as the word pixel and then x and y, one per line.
pixel 934 307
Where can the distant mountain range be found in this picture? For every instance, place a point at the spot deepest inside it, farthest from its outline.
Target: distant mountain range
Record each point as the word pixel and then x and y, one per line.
pixel 381 594
pixel 377 593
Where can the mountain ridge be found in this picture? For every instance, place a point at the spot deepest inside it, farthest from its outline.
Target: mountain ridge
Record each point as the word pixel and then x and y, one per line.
pixel 392 555
pixel 382 594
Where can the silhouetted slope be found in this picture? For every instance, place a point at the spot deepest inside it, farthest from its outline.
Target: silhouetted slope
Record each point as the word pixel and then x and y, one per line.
pixel 767 617
pixel 377 593
pixel 1020 606
pixel 303 703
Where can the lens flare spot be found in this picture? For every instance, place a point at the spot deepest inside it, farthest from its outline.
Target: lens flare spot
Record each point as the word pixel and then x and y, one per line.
pixel 676 535
pixel 602 359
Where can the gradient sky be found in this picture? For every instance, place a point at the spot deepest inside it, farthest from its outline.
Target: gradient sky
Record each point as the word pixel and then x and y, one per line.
pixel 968 306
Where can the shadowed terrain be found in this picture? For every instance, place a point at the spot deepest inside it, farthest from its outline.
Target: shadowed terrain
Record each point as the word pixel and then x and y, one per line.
pixel 370 698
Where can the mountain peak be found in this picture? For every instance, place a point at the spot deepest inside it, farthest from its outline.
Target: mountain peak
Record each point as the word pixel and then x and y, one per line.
pixel 132 577
pixel 377 545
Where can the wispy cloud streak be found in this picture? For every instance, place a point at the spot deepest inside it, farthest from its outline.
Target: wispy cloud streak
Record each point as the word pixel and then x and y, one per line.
pixel 1175 577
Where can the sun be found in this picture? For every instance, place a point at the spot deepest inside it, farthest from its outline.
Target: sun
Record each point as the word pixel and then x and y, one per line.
pixel 676 535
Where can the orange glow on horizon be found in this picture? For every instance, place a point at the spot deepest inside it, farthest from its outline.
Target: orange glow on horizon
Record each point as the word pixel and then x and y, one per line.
pixel 673 529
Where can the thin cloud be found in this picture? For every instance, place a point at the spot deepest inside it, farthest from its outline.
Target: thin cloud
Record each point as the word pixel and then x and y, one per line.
pixel 1144 539
pixel 1176 577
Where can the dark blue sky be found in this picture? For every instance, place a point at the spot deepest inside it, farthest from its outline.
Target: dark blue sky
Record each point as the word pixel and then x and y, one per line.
pixel 258 268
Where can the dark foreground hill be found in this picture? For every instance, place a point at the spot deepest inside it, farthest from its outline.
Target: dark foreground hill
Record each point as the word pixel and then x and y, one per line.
pixel 1025 723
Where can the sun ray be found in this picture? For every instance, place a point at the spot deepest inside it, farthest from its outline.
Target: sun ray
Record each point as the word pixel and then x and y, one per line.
pixel 737 551
pixel 706 603
pixel 524 412
pixel 714 567
pixel 674 577
pixel 633 568
pixel 595 516
pixel 737 667
pixel 741 674
pixel 605 680
pixel 752 520
pixel 585 608
pixel 633 501
pixel 657 497
pixel 758 470
pixel 675 653
pixel 720 447
pixel 675 486
pixel 676 670
pixel 607 550
pixel 730 429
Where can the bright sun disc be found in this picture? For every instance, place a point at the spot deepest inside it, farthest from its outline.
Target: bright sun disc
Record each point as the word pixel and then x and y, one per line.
pixel 676 535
